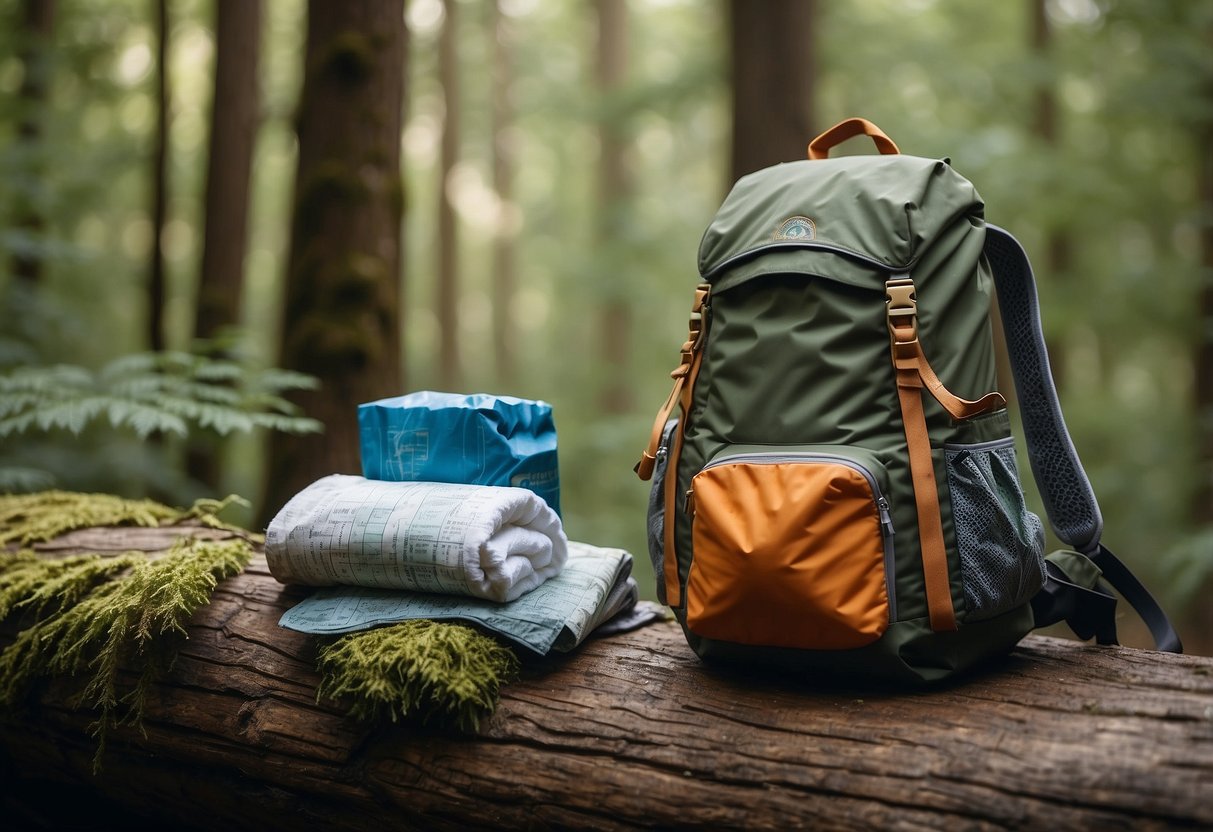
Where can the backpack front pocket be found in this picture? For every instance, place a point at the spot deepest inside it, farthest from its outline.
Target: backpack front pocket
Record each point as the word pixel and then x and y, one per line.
pixel 793 547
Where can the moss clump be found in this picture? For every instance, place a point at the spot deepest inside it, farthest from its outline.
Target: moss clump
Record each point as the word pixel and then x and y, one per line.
pixel 28 582
pixel 32 518
pixel 95 615
pixel 448 672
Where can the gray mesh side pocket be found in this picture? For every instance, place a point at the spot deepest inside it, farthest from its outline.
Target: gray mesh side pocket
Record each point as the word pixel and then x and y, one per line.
pixel 656 514
pixel 1000 542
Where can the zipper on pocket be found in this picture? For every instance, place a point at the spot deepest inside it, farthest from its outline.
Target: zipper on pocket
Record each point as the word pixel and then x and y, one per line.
pixel 810 456
pixel 792 547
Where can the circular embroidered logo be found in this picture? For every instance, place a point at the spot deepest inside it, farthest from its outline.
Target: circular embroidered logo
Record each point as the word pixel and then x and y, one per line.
pixel 799 229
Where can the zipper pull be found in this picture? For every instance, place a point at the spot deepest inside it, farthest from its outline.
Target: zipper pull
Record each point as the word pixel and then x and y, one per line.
pixel 689 504
pixel 886 518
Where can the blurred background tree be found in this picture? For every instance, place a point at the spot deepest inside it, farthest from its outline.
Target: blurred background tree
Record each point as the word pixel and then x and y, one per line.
pixel 559 162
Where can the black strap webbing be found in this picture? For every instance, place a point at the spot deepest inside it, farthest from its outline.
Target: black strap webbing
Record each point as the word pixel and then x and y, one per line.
pixel 1067 494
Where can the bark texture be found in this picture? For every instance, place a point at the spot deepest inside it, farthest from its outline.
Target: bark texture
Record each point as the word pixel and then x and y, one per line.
pixel 235 111
pixel 344 271
pixel 629 731
pixel 773 73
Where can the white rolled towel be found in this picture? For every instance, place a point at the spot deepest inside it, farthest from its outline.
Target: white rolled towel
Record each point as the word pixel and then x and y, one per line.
pixel 486 541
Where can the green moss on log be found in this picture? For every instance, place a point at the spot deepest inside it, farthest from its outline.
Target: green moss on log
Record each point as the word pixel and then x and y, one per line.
pixel 90 615
pixel 33 518
pixel 450 673
pixel 133 620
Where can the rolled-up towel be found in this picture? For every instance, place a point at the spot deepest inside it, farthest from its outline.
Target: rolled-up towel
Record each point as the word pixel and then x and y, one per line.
pixel 486 541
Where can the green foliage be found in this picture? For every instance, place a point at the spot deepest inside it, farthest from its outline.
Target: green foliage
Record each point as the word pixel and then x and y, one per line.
pixel 147 394
pixel 151 393
pixel 96 616
pixel 447 672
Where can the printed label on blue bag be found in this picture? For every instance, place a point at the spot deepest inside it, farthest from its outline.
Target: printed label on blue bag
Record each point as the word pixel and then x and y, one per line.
pixel 410 451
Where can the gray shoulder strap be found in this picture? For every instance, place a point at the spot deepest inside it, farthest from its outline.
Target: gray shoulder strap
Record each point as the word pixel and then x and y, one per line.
pixel 1064 487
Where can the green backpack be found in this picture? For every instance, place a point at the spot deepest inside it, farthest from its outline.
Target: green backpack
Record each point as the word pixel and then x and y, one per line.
pixel 839 488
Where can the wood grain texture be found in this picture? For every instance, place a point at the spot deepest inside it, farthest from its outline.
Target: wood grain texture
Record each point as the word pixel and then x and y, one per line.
pixel 630 731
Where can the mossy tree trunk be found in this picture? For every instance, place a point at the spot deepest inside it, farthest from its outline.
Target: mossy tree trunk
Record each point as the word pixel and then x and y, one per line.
pixel 773 71
pixel 342 316
pixel 235 112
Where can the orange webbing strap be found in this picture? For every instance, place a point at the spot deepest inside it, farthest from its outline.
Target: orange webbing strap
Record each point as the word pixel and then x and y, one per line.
pixel 684 387
pixel 819 148
pixel 926 497
pixel 908 361
pixel 648 459
pixel 673 587
pixel 958 408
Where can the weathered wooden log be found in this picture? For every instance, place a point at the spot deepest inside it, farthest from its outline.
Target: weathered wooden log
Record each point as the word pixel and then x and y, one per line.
pixel 631 730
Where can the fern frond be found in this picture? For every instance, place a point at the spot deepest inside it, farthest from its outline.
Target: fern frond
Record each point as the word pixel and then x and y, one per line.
pixel 16 401
pixel 167 392
pixel 277 380
pixel 287 424
pixel 218 371
pixel 46 379
pixel 70 414
pixel 18 424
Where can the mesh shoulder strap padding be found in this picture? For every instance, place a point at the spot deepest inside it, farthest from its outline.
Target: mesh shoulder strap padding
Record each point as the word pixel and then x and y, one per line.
pixel 1064 487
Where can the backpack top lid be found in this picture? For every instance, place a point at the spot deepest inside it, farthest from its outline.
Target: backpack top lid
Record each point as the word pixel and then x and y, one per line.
pixel 881 212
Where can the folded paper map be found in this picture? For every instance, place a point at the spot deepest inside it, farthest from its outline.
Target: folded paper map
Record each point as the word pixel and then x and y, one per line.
pixel 488 541
pixel 594 586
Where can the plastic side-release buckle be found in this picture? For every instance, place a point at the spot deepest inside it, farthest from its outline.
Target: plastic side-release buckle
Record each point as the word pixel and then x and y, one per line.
pixel 901 309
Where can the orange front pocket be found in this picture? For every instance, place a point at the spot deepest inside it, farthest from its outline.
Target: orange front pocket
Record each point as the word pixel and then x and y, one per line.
pixel 792 548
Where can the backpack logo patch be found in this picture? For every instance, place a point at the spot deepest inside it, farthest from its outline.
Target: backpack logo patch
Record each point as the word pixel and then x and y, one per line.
pixel 799 229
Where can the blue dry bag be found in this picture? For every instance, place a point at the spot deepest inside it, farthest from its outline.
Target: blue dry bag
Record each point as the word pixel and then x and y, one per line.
pixel 448 437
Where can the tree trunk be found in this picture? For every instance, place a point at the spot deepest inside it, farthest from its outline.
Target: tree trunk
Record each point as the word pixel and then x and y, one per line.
pixel 614 186
pixel 156 291
pixel 628 731
pixel 342 314
pixel 449 371
pixel 235 111
pixel 773 70
pixel 505 233
pixel 37 28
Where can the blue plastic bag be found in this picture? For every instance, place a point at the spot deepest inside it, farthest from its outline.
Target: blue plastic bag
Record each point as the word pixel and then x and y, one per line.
pixel 449 437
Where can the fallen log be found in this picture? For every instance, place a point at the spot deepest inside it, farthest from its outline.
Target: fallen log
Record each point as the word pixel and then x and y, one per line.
pixel 631 730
